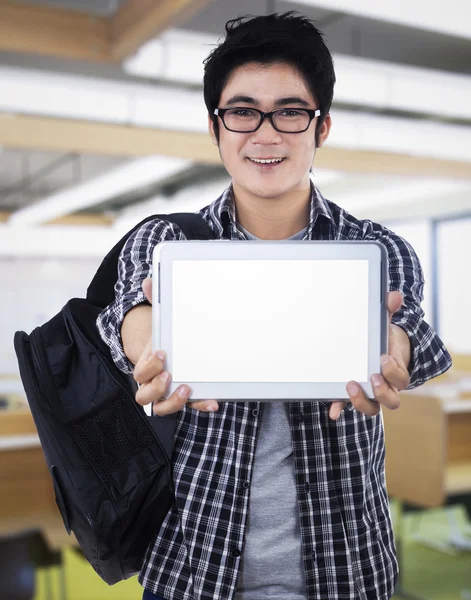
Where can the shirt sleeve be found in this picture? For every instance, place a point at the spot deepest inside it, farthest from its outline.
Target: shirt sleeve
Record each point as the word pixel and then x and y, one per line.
pixel 134 265
pixel 429 357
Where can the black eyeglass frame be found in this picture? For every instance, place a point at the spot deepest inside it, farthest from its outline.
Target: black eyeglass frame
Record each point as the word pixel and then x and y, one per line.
pixel 220 112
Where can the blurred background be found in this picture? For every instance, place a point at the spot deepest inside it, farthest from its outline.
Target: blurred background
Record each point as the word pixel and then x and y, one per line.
pixel 102 122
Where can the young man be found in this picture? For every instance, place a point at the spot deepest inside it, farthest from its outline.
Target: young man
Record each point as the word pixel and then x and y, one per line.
pixel 280 501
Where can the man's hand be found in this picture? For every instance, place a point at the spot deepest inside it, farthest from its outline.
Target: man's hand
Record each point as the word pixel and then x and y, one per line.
pixel 394 377
pixel 154 380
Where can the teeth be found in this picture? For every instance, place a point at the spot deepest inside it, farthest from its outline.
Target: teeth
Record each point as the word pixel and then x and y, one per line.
pixel 265 161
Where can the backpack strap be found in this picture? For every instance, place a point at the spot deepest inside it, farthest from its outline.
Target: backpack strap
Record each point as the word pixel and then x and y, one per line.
pixel 100 292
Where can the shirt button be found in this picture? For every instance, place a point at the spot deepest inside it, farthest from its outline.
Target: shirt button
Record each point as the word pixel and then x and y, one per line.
pixel 307 487
pixel 301 418
pixel 255 412
pixel 246 484
pixel 236 553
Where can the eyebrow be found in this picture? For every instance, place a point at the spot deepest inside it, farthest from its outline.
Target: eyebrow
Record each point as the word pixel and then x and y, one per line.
pixel 237 99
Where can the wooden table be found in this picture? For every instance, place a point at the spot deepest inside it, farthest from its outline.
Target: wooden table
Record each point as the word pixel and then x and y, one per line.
pixel 428 445
pixel 27 497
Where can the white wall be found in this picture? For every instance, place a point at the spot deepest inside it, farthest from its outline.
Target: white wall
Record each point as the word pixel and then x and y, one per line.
pixel 33 290
pixel 454 269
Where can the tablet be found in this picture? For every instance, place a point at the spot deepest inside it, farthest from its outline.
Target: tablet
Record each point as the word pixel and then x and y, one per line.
pixel 270 320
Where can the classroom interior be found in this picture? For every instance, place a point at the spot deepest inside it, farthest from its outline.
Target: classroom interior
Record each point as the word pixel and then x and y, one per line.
pixel 102 122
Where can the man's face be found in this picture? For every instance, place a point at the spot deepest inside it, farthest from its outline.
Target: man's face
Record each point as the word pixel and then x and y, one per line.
pixel 268 88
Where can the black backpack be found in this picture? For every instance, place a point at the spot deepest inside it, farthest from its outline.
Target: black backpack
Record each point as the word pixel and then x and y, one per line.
pixel 110 463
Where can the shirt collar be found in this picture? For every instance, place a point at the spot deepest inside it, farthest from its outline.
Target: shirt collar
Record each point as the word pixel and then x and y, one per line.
pixel 224 208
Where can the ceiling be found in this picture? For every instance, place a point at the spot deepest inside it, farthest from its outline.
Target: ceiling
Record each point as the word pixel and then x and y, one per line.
pixel 35 167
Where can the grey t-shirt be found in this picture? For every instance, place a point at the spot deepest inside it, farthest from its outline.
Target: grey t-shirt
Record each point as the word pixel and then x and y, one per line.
pixel 272 564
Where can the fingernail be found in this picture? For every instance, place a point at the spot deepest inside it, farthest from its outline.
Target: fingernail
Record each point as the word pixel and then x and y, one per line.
pixel 164 376
pixel 384 360
pixel 376 379
pixel 183 391
pixel 161 354
pixel 352 389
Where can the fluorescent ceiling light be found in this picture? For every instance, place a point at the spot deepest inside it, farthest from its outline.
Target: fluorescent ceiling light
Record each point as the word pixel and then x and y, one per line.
pixel 123 179
pixel 452 18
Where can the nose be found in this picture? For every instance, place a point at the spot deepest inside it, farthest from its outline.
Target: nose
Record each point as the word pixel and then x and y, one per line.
pixel 266 134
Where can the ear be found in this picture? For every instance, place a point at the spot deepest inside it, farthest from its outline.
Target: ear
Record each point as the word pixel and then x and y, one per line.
pixel 211 131
pixel 324 131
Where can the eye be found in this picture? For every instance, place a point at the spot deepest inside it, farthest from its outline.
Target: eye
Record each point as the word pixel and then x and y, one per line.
pixel 242 112
pixel 291 112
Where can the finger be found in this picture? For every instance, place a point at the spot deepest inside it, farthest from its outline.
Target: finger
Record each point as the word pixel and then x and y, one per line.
pixel 149 365
pixel 205 405
pixel 153 390
pixel 173 403
pixel 147 288
pixel 385 394
pixel 336 409
pixel 394 302
pixel 360 401
pixel 395 372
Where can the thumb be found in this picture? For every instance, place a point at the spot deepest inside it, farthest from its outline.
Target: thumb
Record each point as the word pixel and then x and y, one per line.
pixel 147 288
pixel 336 409
pixel 394 302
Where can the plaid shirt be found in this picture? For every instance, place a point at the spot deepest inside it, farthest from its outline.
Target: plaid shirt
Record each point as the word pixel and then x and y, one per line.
pixel 346 535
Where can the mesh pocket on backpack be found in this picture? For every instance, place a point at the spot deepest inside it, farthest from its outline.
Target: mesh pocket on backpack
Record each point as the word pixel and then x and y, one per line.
pixel 112 436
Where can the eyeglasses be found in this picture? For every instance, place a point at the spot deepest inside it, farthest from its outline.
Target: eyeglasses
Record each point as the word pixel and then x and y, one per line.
pixel 284 120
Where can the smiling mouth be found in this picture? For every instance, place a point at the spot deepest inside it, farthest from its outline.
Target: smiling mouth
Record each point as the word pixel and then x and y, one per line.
pixel 266 161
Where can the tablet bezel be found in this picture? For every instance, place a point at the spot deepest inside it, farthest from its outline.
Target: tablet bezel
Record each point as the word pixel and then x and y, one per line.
pixel 374 252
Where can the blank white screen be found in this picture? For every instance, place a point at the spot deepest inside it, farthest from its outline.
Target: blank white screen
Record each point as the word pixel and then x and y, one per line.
pixel 270 321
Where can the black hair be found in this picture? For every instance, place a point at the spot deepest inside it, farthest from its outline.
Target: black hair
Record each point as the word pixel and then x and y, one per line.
pixel 278 38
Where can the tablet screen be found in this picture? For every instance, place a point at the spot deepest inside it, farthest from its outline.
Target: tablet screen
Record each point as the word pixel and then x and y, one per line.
pixel 270 320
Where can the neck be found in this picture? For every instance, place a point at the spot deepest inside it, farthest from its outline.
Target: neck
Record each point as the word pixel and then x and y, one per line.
pixel 276 218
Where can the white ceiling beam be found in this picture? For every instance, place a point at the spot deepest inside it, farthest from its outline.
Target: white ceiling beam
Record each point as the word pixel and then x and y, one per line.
pixel 415 137
pixel 176 55
pixel 95 99
pixel 389 86
pixel 452 18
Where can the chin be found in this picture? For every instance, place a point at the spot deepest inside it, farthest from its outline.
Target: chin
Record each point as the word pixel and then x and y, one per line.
pixel 270 191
